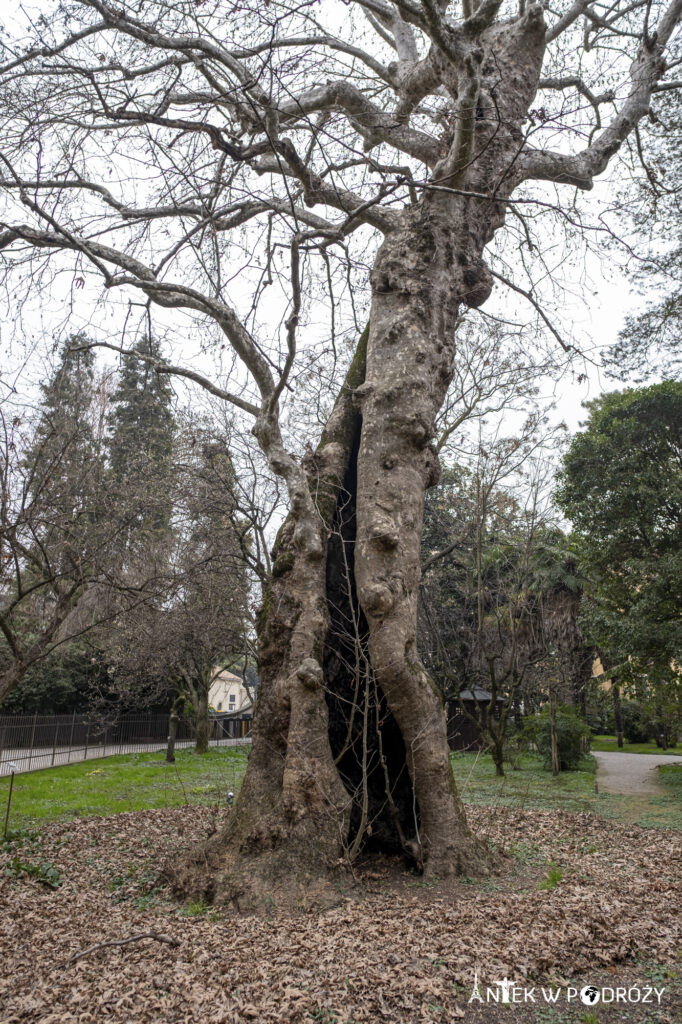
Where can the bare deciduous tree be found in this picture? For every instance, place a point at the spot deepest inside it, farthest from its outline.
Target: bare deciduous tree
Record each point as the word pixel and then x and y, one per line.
pixel 140 144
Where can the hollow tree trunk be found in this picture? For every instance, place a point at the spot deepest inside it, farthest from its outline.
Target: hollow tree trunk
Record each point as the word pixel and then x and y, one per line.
pixel 416 297
pixel 349 738
pixel 291 819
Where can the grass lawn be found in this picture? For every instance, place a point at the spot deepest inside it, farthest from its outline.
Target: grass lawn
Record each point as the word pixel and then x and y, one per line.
pixel 533 787
pixel 132 782
pixel 127 782
pixel 609 743
pixel 530 786
pixel 671 777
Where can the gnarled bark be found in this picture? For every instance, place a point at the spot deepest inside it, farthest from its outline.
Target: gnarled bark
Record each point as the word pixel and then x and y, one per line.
pixel 338 628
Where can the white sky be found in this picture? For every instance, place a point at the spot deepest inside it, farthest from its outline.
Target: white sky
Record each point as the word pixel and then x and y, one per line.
pixel 596 318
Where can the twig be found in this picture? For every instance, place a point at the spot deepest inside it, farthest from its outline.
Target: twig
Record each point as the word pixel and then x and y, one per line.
pixel 122 942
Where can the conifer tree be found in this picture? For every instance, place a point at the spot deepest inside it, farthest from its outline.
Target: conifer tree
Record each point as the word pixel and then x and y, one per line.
pixel 142 428
pixel 54 537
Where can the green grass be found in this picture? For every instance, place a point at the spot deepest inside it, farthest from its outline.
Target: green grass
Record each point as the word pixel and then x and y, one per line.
pixel 128 782
pixel 609 743
pixel 531 786
pixel 552 878
pixel 132 782
pixel 671 777
pixel 535 788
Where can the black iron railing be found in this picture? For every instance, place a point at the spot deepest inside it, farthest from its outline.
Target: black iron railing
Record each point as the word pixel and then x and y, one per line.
pixel 41 741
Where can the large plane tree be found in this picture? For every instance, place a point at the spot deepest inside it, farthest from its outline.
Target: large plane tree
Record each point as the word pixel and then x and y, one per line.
pixel 164 150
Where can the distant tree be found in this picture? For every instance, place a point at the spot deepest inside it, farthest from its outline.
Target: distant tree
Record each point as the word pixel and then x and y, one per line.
pixel 559 583
pixel 621 486
pixel 481 611
pixel 83 515
pixel 54 537
pixel 61 682
pixel 199 624
pixel 140 445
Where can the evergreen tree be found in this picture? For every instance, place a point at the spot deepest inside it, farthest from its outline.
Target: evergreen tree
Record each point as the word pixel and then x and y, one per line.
pixel 621 486
pixel 199 623
pixel 55 534
pixel 142 428
pixel 64 450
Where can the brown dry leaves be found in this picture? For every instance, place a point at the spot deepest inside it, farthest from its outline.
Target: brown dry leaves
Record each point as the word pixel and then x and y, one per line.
pixel 394 952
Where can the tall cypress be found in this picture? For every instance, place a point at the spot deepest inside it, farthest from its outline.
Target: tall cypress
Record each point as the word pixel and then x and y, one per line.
pixel 64 438
pixel 142 430
pixel 64 463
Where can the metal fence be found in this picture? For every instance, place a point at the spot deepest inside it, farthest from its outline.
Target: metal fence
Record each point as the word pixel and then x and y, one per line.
pixel 29 742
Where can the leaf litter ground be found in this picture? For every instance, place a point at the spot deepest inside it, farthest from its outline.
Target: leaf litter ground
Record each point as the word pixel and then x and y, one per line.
pixel 580 900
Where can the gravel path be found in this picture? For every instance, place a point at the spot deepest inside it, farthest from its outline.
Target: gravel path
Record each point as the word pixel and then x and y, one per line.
pixel 630 773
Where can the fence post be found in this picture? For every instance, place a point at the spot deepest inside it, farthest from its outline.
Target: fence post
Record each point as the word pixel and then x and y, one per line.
pixel 87 737
pixel 33 736
pixel 2 742
pixel 54 745
pixel 73 722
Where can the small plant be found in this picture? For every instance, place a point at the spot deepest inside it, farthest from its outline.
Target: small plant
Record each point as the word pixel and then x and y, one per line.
pixel 196 908
pixel 147 901
pixel 553 877
pixel 658 973
pixel 550 1015
pixel 45 873
pixel 22 846
pixel 20 837
pixel 526 853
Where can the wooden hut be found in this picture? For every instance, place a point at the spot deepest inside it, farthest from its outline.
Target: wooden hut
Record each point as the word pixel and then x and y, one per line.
pixel 463 734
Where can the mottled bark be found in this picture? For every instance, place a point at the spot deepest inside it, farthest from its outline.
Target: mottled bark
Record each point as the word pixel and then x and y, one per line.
pixel 298 809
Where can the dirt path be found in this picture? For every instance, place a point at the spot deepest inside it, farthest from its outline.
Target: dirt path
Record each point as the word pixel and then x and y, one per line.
pixel 630 773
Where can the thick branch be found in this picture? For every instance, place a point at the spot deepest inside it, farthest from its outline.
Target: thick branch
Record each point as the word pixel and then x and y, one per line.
pixel 581 168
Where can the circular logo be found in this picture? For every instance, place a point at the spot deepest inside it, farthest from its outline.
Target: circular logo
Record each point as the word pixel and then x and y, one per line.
pixel 589 995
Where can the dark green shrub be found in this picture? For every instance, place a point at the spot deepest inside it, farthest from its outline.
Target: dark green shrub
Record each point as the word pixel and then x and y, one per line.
pixel 599 710
pixel 637 726
pixel 571 730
